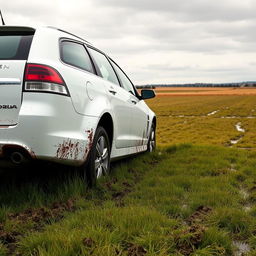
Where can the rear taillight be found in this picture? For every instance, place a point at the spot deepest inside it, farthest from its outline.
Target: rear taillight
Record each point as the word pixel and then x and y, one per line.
pixel 41 78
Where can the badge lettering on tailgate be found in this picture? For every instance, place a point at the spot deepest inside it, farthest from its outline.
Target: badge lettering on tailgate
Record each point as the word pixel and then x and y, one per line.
pixel 4 66
pixel 8 106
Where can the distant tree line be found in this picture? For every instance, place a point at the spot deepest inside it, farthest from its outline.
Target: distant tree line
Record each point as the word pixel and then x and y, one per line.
pixel 239 84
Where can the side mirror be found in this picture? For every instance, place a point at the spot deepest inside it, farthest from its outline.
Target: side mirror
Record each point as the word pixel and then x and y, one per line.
pixel 147 94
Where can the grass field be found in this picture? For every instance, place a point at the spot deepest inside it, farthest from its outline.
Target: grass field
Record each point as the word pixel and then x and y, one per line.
pixel 206 120
pixel 204 91
pixel 196 195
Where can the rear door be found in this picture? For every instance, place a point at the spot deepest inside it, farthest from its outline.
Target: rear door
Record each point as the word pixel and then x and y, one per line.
pixel 14 49
pixel 120 100
pixel 139 116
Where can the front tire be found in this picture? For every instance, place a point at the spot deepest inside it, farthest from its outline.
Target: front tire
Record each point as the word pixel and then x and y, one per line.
pixel 98 163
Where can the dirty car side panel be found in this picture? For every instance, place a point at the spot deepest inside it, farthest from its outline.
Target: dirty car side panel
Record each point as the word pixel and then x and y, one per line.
pixel 51 131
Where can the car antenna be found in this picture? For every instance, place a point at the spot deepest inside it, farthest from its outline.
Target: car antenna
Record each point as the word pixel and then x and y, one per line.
pixel 2 18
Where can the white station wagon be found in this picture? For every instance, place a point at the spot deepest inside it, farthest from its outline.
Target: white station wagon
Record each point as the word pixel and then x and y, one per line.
pixel 63 100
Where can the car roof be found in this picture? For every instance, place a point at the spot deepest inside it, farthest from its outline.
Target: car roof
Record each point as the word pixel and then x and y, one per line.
pixel 30 30
pixel 73 35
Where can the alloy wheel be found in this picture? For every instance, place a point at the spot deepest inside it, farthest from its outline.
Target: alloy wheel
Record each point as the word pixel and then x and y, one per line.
pixel 101 157
pixel 152 141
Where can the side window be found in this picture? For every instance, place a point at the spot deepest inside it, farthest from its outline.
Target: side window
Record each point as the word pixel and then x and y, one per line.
pixel 105 68
pixel 126 83
pixel 76 55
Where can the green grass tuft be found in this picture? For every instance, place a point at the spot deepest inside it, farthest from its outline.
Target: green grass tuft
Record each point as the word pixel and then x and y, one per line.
pixel 233 220
pixel 3 250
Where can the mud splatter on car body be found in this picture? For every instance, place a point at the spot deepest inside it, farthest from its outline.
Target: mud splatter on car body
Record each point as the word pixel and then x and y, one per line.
pixel 68 150
pixel 89 144
pixel 75 150
pixel 90 138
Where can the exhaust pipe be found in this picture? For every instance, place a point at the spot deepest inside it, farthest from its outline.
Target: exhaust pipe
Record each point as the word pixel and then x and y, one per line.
pixel 17 158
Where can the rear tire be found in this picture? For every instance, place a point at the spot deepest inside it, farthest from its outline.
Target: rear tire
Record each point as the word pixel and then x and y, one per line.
pixel 98 163
pixel 152 139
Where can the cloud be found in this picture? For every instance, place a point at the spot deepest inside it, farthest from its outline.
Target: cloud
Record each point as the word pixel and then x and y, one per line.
pixel 157 41
pixel 194 10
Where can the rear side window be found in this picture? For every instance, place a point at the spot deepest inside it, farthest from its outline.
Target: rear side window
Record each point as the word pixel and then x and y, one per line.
pixel 104 66
pixel 76 55
pixel 14 47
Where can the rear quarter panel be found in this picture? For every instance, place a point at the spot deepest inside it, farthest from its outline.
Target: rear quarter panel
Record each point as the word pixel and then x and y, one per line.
pixel 87 91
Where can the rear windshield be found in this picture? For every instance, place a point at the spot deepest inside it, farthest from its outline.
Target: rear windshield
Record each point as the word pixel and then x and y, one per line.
pixel 14 47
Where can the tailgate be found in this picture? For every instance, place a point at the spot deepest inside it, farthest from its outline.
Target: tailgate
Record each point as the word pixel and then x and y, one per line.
pixel 11 91
pixel 14 49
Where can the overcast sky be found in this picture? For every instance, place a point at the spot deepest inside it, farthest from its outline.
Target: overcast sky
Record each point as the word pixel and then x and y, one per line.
pixel 157 41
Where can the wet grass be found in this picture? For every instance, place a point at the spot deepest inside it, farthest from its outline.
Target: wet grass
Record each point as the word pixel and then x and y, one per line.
pixel 194 198
pixel 185 119
pixel 177 201
pixel 231 105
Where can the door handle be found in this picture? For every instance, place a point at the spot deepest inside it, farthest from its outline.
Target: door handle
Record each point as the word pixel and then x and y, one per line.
pixel 112 91
pixel 134 101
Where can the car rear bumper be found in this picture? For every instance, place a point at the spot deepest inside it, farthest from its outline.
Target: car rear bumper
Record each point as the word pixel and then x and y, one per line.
pixel 49 129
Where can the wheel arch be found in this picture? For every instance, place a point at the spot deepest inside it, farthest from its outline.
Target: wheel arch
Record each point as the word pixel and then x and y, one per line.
pixel 154 121
pixel 106 121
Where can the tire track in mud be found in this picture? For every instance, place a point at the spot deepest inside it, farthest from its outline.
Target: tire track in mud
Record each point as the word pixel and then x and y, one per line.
pixel 194 231
pixel 119 195
pixel 38 217
pixel 242 247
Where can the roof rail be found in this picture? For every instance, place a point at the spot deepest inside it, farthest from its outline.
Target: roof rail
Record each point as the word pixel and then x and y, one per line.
pixel 68 33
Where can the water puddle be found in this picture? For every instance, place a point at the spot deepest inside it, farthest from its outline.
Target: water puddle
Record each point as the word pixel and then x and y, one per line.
pixel 212 113
pixel 242 248
pixel 228 117
pixel 233 117
pixel 239 128
pixel 233 142
pixel 184 116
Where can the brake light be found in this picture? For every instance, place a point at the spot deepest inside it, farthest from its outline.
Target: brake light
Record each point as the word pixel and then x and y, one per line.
pixel 41 78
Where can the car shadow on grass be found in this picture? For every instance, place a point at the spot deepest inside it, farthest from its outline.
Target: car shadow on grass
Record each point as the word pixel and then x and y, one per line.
pixel 42 184
pixel 38 185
